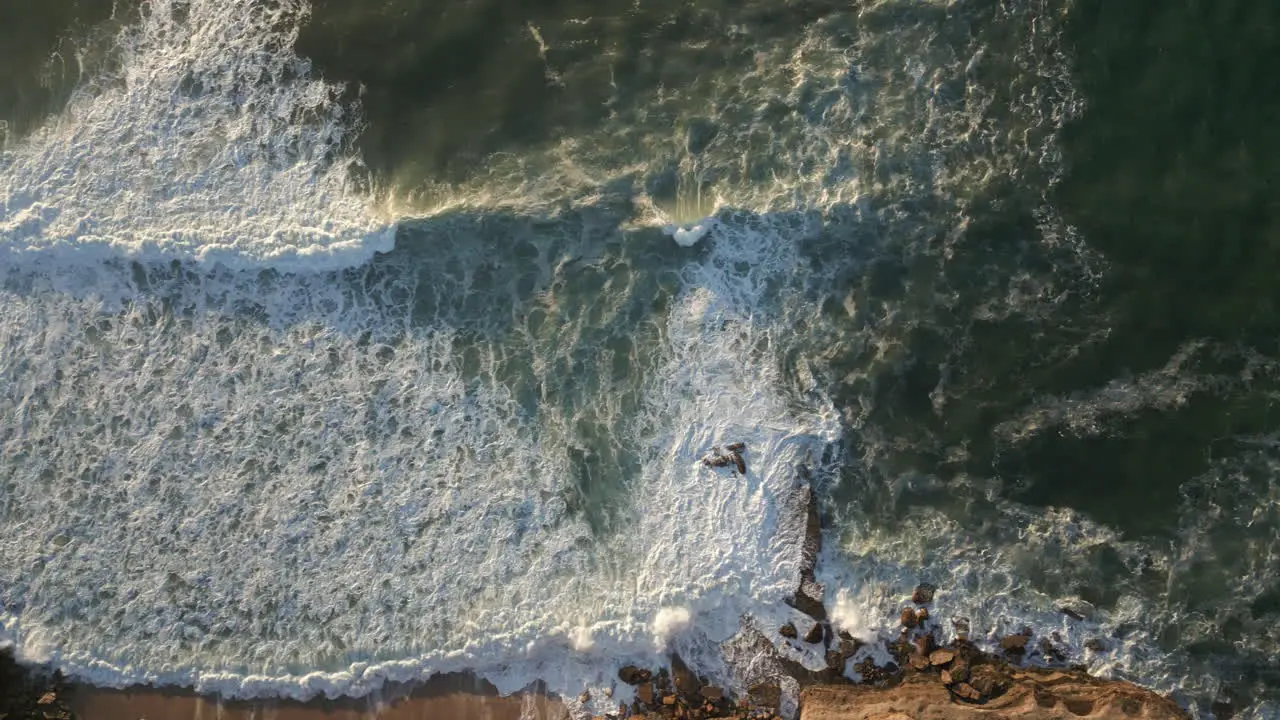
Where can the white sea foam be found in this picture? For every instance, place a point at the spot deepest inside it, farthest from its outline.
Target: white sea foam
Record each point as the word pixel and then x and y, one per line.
pixel 688 236
pixel 207 141
pixel 257 499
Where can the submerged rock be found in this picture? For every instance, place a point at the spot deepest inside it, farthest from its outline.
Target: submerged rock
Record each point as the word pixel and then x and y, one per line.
pixel 1075 608
pixel 1014 644
pixel 632 675
pixel 923 594
pixel 788 630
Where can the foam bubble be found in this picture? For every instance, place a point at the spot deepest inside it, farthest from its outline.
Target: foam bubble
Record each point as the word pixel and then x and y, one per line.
pixel 846 615
pixel 580 638
pixel 688 236
pixel 667 622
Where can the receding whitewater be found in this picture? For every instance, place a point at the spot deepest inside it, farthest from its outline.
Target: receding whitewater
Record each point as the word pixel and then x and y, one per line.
pixel 255 472
pixel 267 430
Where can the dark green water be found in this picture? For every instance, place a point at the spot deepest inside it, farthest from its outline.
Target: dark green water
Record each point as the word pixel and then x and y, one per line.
pixel 1121 361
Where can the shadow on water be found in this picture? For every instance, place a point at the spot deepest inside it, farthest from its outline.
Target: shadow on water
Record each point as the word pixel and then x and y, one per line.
pixel 444 85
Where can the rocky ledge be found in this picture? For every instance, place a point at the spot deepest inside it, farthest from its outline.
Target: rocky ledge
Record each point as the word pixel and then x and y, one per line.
pixel 27 694
pixel 1030 694
pixel 927 681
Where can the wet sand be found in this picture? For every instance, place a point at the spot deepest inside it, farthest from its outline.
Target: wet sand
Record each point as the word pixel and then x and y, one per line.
pixel 446 697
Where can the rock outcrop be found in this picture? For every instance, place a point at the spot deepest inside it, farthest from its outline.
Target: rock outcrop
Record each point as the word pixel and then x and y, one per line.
pixel 31 693
pixel 1026 694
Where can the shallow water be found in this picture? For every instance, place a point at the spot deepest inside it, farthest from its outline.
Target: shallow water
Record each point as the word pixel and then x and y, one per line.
pixel 307 387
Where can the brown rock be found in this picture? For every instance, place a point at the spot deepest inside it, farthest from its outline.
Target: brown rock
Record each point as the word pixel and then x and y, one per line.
pixel 814 635
pixel 941 656
pixel 908 618
pixel 924 645
pixel 848 647
pixel 1022 695
pixel 788 631
pixel 835 661
pixel 946 677
pixel 668 700
pixel 712 693
pixel 923 594
pixel 47 699
pixel 686 682
pixel 988 680
pixel 922 614
pixel 765 695
pixel 584 697
pixel 874 674
pixel 1050 651
pixel 919 662
pixel 644 693
pixel 1014 644
pixel 808 598
pixel 632 675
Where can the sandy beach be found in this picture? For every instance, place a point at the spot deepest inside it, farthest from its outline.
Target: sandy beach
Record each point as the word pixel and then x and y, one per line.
pixel 446 697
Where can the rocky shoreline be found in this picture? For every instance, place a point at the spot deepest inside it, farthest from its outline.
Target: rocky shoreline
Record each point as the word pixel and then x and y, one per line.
pixel 928 678
pixel 32 693
pixel 920 673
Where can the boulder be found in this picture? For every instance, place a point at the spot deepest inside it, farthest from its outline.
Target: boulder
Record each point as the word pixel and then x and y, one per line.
pixel 923 594
pixel 765 694
pixel 788 630
pixel 632 675
pixel 1075 608
pixel 941 656
pixel 1014 644
pixel 686 683
pixel 814 635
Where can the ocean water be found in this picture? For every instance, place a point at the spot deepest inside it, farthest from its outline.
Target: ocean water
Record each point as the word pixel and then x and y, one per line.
pixel 342 345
